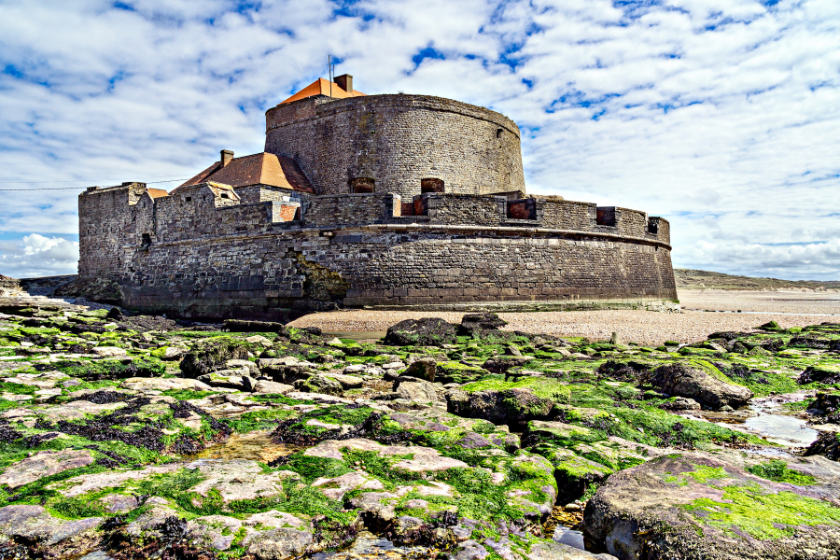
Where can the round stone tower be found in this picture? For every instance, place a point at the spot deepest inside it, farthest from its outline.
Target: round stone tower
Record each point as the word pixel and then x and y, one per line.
pixel 402 144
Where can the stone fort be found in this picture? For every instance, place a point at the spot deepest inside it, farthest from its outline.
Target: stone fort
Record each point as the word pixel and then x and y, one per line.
pixel 383 201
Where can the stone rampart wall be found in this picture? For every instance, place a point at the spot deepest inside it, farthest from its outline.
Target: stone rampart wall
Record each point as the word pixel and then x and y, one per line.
pixel 202 252
pixel 397 140
pixel 255 276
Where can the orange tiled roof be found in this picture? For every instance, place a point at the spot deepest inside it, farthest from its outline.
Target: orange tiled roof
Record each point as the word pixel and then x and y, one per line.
pixel 262 168
pixel 322 87
pixel 156 193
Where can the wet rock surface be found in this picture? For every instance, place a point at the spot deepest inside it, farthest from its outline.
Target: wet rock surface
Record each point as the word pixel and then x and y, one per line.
pixel 129 437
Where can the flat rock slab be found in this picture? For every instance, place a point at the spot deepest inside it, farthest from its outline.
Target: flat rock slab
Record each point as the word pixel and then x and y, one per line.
pixel 159 384
pixel 272 388
pixel 336 488
pixel 44 463
pixel 79 485
pixel 239 479
pixel 423 459
pixel 109 351
pixel 34 523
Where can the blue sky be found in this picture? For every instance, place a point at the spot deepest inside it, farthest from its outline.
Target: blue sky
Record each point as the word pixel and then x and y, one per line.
pixel 721 115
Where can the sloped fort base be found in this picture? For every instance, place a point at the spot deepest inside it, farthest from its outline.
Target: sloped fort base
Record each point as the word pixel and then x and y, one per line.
pixel 219 259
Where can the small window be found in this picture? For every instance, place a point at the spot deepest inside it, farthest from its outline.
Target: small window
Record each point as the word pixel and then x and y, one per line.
pixel 225 195
pixel 188 199
pixel 499 132
pixel 360 185
pixel 431 185
pixel 147 241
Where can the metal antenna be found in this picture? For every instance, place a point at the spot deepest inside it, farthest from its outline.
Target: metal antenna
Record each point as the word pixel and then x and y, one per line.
pixel 330 71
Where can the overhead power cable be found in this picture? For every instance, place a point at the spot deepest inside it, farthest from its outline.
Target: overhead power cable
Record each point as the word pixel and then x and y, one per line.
pixel 75 188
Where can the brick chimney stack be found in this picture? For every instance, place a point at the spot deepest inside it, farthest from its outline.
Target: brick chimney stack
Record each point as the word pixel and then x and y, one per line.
pixel 345 82
pixel 227 155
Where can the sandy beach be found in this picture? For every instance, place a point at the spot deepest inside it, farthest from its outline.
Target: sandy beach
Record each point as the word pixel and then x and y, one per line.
pixel 704 312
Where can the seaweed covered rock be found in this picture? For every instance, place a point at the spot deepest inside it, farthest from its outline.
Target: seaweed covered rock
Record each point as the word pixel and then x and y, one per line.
pixel 692 506
pixel 828 444
pixel 697 381
pixel 212 356
pixel 423 368
pixel 820 374
pixel 429 331
pixel 238 325
pixel 507 402
pixel 480 324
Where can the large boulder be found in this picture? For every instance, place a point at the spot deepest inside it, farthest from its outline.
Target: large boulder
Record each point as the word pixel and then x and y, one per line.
pixel 480 324
pixel 499 406
pixel 212 356
pixel 698 381
pixel 423 368
pixel 415 390
pixel 429 331
pixel 696 507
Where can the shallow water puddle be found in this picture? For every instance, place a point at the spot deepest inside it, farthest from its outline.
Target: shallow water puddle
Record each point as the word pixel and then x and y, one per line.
pixel 569 537
pixel 256 446
pixel 783 429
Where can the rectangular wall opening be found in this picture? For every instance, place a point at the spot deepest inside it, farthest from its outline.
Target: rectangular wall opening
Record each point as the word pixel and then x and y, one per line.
pixel 606 216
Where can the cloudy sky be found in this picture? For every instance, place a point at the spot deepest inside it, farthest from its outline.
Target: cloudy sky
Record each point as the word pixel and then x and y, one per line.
pixel 721 115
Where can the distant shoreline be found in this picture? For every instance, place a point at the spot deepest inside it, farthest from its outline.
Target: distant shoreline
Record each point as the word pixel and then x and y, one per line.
pixel 688 279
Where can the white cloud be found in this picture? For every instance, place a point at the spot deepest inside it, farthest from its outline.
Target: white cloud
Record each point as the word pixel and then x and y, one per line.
pixel 720 115
pixel 37 255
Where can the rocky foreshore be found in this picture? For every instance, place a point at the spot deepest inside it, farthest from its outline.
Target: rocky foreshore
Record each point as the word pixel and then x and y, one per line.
pixel 131 437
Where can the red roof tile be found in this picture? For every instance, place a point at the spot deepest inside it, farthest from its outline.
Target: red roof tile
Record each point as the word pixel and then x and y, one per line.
pixel 157 193
pixel 322 87
pixel 262 168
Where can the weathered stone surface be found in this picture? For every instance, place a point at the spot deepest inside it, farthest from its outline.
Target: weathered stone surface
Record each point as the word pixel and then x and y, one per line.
pixel 213 531
pixel 480 324
pixel 425 459
pixel 423 368
pixel 346 381
pixel 277 544
pixel 29 523
pixel 155 384
pixel 415 390
pixel 83 484
pixel 109 351
pixel 212 356
pixel 44 463
pixel 335 488
pixel 499 406
pixel 429 331
pixel 232 379
pixel 691 506
pixel 550 550
pixel 695 383
pixel 237 479
pixel 270 387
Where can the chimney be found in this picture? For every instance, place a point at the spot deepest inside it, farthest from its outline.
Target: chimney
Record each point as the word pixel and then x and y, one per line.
pixel 345 82
pixel 227 155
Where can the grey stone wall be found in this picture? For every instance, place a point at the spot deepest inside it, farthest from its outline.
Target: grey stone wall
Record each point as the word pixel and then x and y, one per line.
pixel 197 254
pixel 397 140
pixel 326 211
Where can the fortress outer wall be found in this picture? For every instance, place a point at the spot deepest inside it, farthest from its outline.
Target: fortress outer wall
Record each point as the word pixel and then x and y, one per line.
pixel 199 254
pixel 397 140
